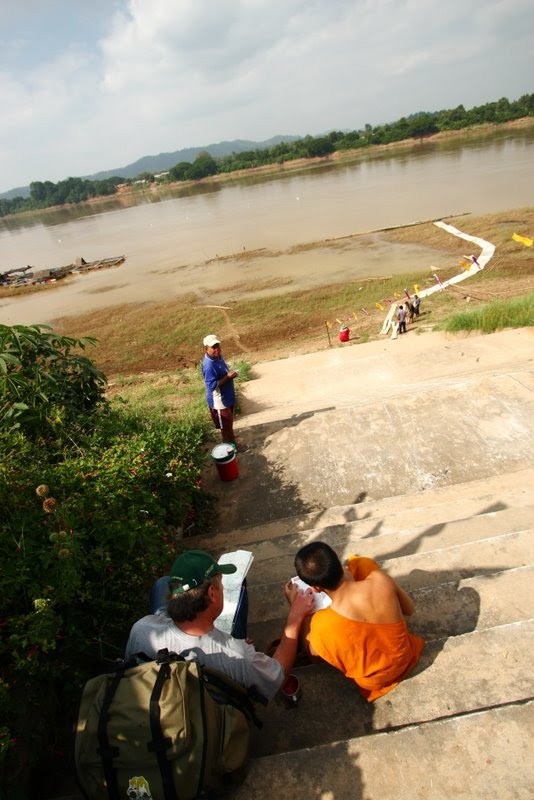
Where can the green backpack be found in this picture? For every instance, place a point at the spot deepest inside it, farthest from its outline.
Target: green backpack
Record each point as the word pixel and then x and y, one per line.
pixel 168 729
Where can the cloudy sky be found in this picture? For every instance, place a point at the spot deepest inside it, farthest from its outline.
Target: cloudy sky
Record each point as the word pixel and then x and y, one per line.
pixel 88 85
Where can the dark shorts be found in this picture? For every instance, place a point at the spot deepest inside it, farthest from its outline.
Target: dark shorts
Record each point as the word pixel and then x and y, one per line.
pixel 226 419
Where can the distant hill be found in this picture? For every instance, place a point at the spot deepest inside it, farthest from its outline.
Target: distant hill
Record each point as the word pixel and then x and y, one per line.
pixel 21 191
pixel 163 161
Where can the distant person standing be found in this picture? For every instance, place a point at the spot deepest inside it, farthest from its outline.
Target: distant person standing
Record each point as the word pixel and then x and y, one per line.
pixel 416 302
pixel 220 392
pixel 401 316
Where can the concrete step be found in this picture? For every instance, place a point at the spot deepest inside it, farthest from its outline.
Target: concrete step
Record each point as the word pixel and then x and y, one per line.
pixel 455 676
pixel 434 506
pixel 392 447
pixel 483 755
pixel 425 569
pixel 375 370
pixel 447 608
pixel 274 558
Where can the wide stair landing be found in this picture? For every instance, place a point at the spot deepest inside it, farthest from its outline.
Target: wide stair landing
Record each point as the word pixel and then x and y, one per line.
pixel 462 724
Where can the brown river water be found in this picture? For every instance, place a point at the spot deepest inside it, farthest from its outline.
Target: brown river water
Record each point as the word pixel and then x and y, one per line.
pixel 184 242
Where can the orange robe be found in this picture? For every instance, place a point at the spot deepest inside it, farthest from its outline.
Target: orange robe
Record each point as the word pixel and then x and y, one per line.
pixel 377 656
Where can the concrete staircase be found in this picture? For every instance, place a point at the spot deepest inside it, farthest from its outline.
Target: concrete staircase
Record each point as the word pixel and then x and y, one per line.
pixel 418 453
pixel 462 725
pixel 421 457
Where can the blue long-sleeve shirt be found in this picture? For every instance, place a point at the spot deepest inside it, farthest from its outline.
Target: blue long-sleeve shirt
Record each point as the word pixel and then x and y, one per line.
pixel 213 370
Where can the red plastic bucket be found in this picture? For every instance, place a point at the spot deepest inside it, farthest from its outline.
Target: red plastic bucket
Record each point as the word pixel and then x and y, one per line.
pixel 224 456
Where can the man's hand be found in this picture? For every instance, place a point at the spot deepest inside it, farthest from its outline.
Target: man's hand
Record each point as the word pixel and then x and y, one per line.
pixel 301 603
pixel 231 375
pixel 290 591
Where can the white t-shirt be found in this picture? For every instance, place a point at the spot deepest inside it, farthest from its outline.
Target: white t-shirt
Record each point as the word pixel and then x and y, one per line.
pixel 218 404
pixel 217 650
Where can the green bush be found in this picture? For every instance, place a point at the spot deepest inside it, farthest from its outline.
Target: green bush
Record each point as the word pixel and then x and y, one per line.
pixel 45 384
pixel 81 539
pixel 91 514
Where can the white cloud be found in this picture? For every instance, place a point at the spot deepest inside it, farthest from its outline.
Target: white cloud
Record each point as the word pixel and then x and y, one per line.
pixel 176 73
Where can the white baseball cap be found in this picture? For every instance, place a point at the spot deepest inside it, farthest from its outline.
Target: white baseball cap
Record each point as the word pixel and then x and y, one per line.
pixel 211 340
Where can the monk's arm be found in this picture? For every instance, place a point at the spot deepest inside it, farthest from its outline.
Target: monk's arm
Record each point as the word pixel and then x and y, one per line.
pixel 405 601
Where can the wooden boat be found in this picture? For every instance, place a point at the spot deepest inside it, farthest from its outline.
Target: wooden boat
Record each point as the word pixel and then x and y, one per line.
pixel 21 276
pixel 81 265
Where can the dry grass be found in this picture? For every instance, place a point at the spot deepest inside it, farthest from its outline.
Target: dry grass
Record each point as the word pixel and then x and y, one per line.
pixel 165 336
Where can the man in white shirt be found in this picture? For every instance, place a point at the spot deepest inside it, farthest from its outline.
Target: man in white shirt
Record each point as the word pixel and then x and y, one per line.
pixel 196 600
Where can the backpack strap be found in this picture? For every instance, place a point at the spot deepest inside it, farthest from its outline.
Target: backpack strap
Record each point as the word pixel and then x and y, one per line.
pixel 226 692
pixel 160 743
pixel 104 750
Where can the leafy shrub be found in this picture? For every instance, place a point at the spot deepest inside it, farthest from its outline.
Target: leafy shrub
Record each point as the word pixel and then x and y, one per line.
pixel 81 539
pixel 91 514
pixel 45 384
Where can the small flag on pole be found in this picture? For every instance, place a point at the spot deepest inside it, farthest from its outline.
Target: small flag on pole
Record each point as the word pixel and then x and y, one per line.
pixel 416 288
pixel 407 293
pixel 438 280
pixel 364 311
pixel 380 306
pixel 522 240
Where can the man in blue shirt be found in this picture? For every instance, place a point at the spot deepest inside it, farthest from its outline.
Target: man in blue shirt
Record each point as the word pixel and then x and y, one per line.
pixel 220 392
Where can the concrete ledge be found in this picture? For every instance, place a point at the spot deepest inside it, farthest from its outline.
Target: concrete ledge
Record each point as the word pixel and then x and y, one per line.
pixel 484 755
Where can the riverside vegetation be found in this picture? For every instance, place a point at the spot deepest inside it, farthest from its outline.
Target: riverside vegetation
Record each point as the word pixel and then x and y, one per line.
pixel 45 194
pixel 95 497
pixel 100 482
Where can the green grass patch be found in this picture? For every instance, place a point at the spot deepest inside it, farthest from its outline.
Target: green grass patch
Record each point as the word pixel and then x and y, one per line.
pixel 179 393
pixel 494 316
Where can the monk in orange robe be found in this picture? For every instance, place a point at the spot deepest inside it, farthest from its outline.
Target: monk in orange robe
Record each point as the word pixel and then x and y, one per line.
pixel 363 632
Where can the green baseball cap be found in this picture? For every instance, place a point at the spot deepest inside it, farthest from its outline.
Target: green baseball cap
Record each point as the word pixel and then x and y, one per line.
pixel 194 567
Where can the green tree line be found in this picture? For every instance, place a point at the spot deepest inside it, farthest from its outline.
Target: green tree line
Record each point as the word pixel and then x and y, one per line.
pixel 71 190
pixel 415 126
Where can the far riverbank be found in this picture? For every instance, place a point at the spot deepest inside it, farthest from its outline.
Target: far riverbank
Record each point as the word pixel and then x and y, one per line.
pixel 131 195
pixel 258 239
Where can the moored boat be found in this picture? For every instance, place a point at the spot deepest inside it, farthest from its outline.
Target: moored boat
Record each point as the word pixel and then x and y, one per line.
pixel 28 276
